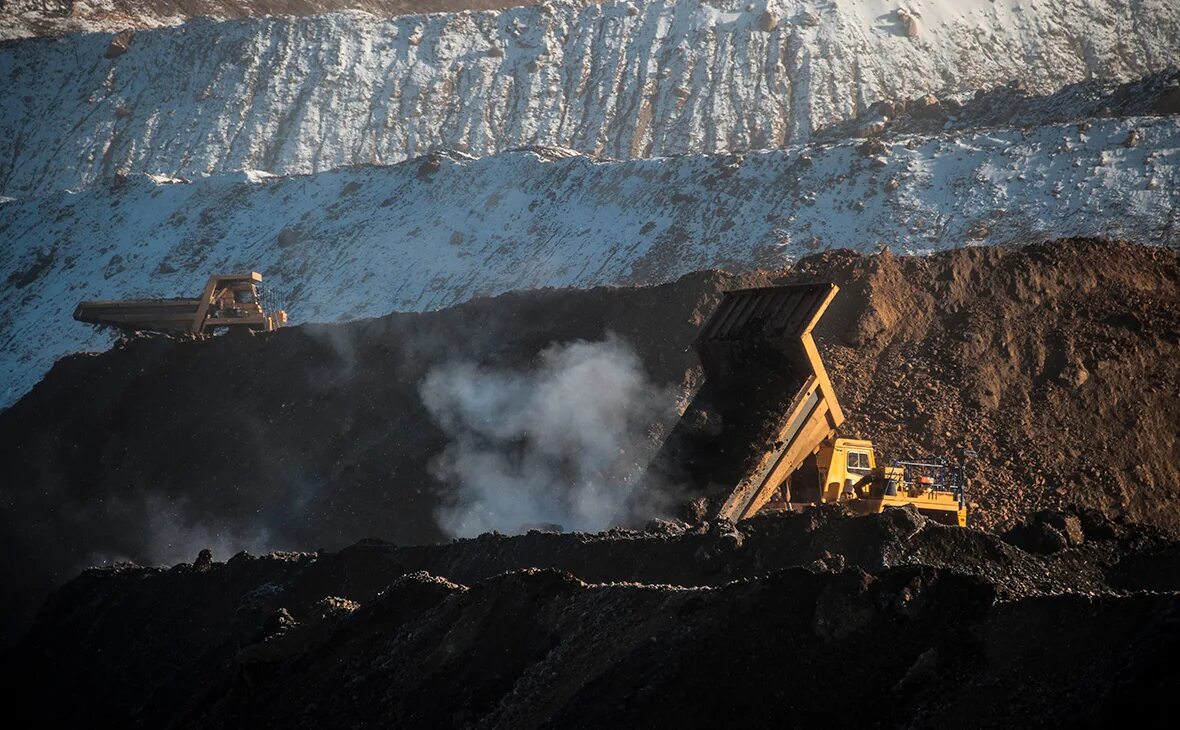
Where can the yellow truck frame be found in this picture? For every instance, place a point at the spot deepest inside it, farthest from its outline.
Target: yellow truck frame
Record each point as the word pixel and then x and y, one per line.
pixel 228 301
pixel 767 418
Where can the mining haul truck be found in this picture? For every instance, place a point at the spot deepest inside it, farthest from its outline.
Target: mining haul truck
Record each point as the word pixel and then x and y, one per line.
pixel 229 301
pixel 761 433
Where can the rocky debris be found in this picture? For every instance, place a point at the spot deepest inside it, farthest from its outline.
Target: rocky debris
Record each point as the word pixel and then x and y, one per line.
pixel 927 107
pixel 979 231
pixel 620 628
pixel 1075 374
pixel 872 148
pixel 1047 531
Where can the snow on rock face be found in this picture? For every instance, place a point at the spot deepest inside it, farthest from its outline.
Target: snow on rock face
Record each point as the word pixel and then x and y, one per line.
pixel 618 79
pixel 25 18
pixel 439 230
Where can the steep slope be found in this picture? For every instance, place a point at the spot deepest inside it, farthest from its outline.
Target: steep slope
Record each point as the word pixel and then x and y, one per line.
pixel 319 435
pixel 438 231
pixel 617 79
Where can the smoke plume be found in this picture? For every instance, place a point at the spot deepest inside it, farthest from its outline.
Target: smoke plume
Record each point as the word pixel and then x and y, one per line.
pixel 558 445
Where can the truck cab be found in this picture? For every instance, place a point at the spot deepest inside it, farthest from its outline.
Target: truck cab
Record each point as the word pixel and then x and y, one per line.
pixel 848 472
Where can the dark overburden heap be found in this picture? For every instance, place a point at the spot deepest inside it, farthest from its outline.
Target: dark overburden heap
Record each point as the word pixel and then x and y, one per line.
pixel 906 622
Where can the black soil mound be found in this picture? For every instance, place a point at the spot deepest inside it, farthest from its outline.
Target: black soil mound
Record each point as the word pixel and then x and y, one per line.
pixel 785 620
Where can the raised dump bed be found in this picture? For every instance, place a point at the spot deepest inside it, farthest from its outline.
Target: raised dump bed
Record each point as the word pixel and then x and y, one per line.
pixel 766 403
pixel 761 432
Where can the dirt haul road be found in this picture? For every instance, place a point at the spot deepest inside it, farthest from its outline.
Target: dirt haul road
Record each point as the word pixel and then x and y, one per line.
pixel 1057 362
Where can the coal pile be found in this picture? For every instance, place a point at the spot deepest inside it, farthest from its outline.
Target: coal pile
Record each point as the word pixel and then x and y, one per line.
pixel 917 624
pixel 311 436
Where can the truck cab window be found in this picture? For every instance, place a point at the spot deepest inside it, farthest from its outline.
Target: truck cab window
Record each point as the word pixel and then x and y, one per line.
pixel 858 461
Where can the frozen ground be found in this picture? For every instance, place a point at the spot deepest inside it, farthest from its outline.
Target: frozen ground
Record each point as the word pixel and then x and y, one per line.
pixel 431 232
pixel 617 79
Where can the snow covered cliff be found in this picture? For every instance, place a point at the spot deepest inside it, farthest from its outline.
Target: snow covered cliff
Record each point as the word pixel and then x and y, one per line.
pixel 439 230
pixel 624 80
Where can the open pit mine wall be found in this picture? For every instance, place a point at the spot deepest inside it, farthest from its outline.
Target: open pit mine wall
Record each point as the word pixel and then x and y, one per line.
pixel 617 79
pixel 434 232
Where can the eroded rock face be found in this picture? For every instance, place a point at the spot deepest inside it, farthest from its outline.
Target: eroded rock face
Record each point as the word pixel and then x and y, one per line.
pixel 400 88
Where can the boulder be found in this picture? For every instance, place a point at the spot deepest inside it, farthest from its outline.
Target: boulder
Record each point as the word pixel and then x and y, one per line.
pixel 119 44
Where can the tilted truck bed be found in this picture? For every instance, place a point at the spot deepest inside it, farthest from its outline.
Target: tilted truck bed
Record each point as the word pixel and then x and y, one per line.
pixel 766 403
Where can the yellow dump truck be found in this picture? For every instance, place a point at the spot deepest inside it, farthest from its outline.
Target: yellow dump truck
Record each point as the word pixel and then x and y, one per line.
pixel 761 433
pixel 229 301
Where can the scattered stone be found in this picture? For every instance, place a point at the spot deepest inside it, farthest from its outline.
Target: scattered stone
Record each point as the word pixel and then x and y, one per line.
pixel 1075 374
pixel 120 44
pixel 926 107
pixel 430 165
pixel 909 21
pixel 978 232
pixel 872 148
pixel 873 129
pixel 204 561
